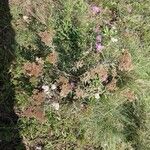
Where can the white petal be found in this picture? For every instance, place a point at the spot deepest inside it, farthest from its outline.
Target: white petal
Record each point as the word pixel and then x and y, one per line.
pixel 97 96
pixel 25 18
pixel 114 40
pixel 55 105
pixel 45 88
pixel 38 148
pixel 53 86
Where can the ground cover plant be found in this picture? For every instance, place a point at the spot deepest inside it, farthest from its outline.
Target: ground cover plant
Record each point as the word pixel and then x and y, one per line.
pixel 74 75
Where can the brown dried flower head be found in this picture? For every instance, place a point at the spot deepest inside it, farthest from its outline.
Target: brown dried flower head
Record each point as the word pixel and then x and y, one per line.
pixel 62 80
pixel 102 72
pixel 112 85
pixel 80 93
pixel 39 60
pixel 46 37
pixel 99 70
pixel 125 61
pixel 34 112
pixel 38 97
pixel 65 86
pixel 33 69
pixel 53 57
pixel 130 95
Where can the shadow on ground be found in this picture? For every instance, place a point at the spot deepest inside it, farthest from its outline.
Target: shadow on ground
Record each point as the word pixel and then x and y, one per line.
pixel 9 132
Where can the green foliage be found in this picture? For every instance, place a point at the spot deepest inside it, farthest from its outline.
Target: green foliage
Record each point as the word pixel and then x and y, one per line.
pixel 111 122
pixel 72 32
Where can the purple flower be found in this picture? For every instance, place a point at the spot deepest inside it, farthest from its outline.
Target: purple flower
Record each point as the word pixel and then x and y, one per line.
pixel 99 47
pixel 98 38
pixel 96 10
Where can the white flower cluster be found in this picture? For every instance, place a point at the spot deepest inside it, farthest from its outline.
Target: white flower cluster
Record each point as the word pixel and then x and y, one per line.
pixel 47 90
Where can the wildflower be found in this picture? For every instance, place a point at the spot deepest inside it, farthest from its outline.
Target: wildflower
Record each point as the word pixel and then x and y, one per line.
pixel 102 72
pixel 98 38
pixel 125 61
pixel 114 27
pixel 53 57
pixel 45 88
pixel 38 97
pixel 38 148
pixel 46 37
pixel 33 69
pixel 79 64
pixel 129 94
pixel 26 19
pixel 96 10
pixel 53 86
pixel 112 86
pixel 39 60
pixel 97 96
pixel 34 112
pixel 99 47
pixel 55 105
pixel 80 93
pixel 65 86
pixel 114 40
pixel 72 85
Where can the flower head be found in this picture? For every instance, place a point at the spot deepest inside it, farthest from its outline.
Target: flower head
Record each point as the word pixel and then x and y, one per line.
pixel 97 96
pixel 53 87
pixel 114 40
pixel 96 10
pixel 55 105
pixel 45 88
pixel 98 38
pixel 99 47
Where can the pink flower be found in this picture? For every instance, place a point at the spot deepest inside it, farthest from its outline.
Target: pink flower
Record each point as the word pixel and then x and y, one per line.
pixel 96 10
pixel 72 85
pixel 99 47
pixel 98 38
